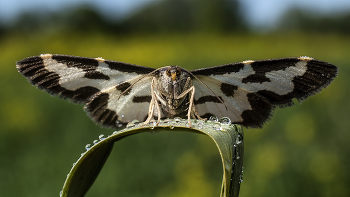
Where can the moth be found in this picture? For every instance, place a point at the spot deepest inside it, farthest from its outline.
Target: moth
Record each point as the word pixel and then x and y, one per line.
pixel 115 93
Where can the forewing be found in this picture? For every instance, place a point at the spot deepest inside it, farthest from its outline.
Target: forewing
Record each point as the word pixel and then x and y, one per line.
pixel 252 89
pixel 95 81
pixel 77 78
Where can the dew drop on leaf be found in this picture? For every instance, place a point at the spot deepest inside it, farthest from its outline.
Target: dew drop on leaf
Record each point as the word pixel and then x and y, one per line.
pixel 101 137
pixel 213 118
pixel 225 120
pixel 88 146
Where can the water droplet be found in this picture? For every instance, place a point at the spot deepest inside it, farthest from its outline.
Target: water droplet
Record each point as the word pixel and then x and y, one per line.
pixel 239 138
pixel 213 118
pixel 122 115
pixel 88 146
pixel 135 121
pixel 241 177
pixel 237 154
pixel 200 121
pixel 130 124
pixel 95 142
pixel 177 119
pixel 217 126
pixel 172 127
pixel 200 124
pixel 101 137
pixel 225 120
pixel 74 164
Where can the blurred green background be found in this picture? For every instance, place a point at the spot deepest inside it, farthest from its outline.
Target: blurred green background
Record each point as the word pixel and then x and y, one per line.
pixel 303 151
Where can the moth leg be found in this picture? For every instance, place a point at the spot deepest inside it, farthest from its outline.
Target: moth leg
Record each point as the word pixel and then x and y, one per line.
pixel 191 89
pixel 158 111
pixel 187 87
pixel 194 113
pixel 190 107
pixel 152 104
pixel 154 95
pixel 150 112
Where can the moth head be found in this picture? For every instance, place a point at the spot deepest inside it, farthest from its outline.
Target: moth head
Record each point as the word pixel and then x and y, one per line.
pixel 173 72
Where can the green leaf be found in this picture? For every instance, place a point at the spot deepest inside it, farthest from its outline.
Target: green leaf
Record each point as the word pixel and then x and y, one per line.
pixel 227 137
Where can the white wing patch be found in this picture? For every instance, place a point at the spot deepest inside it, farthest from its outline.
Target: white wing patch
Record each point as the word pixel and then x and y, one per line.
pixel 280 80
pixel 73 78
pixel 134 104
pixel 211 106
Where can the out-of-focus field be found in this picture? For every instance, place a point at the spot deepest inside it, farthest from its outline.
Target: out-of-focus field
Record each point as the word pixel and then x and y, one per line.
pixel 303 151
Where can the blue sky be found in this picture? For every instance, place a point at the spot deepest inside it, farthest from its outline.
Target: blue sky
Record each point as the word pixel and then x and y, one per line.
pixel 258 12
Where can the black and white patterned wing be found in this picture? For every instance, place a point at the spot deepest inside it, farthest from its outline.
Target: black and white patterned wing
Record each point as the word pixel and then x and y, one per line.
pixel 95 82
pixel 252 89
pixel 116 106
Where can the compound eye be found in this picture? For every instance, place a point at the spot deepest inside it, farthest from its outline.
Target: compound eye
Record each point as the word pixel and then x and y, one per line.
pixel 168 72
pixel 178 71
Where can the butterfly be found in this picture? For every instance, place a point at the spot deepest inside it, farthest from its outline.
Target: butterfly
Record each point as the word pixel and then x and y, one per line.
pixel 115 93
